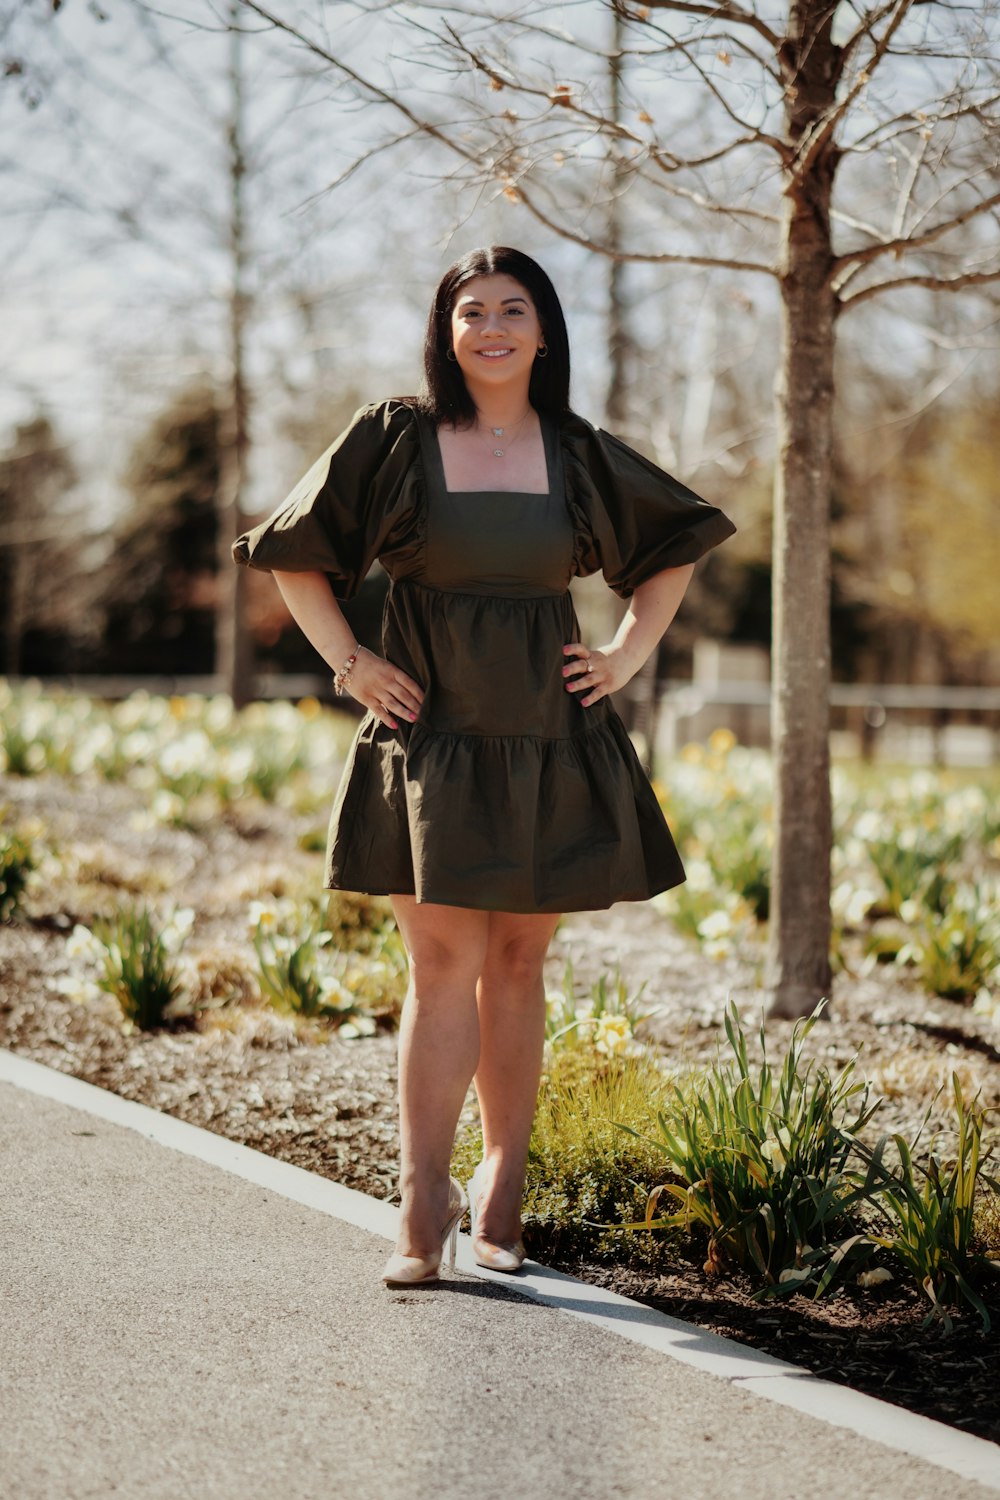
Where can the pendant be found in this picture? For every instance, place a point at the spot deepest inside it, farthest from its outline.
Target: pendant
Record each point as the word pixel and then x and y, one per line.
pixel 498 453
pixel 497 431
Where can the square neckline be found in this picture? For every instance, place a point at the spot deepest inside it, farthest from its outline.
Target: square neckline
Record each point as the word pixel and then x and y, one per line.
pixel 548 445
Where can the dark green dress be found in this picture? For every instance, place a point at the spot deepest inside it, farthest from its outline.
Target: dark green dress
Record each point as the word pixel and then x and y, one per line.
pixel 506 794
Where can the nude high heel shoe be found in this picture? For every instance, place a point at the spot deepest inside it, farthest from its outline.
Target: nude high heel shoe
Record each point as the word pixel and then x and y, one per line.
pixel 417 1270
pixel 494 1257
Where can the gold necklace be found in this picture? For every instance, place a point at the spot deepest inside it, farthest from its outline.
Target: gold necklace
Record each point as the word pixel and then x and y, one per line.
pixel 498 432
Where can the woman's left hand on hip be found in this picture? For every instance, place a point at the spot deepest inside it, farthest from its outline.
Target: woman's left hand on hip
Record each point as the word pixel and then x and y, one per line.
pixel 592 671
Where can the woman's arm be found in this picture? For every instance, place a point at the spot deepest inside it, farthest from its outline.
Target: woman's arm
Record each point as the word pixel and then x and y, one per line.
pixel 650 610
pixel 374 682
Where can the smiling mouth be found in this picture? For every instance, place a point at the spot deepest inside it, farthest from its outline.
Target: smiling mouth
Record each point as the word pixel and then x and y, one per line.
pixel 493 353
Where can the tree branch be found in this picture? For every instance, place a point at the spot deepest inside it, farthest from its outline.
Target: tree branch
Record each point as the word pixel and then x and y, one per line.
pixel 846 266
pixel 814 142
pixel 604 124
pixel 778 146
pixel 725 11
pixel 933 283
pixel 866 28
pixel 521 196
pixel 908 121
pixel 728 210
pixel 952 187
pixel 844 218
pixel 426 127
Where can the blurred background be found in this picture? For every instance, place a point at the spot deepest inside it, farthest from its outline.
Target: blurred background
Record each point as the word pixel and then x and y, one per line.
pixel 217 241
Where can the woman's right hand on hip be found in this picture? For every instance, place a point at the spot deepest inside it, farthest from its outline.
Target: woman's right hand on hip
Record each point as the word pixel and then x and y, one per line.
pixel 384 689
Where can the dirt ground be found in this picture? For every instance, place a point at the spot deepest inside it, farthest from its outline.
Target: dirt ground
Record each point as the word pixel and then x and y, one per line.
pixel 310 1097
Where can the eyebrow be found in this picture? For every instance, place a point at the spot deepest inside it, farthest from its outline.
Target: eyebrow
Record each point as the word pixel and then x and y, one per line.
pixel 474 301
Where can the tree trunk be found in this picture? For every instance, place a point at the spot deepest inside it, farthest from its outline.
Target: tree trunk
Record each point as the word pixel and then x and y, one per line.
pixel 233 654
pixel 798 968
pixel 18 591
pixel 615 405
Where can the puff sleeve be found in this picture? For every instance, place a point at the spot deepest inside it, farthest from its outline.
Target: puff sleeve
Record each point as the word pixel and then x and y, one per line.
pixel 632 519
pixel 353 503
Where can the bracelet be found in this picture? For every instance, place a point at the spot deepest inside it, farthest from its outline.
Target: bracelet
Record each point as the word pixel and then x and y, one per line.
pixel 342 676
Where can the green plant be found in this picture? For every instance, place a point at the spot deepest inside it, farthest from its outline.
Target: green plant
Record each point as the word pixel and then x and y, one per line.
pixel 915 870
pixel 742 861
pixel 931 1210
pixel 138 967
pixel 959 955
pixel 299 973
pixel 690 904
pixel 270 769
pixel 606 1020
pixel 21 755
pixel 579 1171
pixel 17 861
pixel 762 1163
pixel 291 977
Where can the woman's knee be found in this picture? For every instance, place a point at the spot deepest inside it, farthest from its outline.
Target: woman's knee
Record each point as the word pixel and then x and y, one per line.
pixel 443 947
pixel 436 962
pixel 516 957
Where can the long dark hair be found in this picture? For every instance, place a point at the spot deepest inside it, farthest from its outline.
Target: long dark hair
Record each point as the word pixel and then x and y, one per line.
pixel 445 397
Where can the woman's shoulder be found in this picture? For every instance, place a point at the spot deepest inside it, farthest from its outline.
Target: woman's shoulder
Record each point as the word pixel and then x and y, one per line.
pixel 593 447
pixel 379 433
pixel 571 424
pixel 584 437
pixel 389 414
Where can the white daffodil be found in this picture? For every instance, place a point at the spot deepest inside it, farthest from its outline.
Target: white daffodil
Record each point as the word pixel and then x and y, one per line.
pixel 333 992
pixel 82 943
pixel 612 1035
pixel 717 924
pixel 876 1277
pixel 175 932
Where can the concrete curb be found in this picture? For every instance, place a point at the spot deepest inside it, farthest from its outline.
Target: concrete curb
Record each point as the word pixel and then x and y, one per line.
pixel 971 1457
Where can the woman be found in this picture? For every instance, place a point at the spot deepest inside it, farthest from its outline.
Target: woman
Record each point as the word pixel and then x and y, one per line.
pixel 491 786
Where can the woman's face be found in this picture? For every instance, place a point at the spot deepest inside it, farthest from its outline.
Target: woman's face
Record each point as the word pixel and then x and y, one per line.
pixel 495 330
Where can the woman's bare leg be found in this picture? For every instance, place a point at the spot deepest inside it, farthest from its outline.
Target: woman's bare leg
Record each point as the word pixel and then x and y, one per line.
pixel 511 1000
pixel 438 1054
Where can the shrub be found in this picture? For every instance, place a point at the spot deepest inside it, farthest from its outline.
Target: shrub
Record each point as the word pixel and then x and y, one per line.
pixel 959 955
pixel 299 972
pixel 931 1212
pixel 139 968
pixel 915 869
pixel 582 1182
pixel 762 1164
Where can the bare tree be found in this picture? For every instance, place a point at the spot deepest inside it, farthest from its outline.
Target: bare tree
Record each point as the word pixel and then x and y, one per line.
pixel 815 145
pixel 183 165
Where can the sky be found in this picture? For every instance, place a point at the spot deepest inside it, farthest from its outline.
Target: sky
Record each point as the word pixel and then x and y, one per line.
pixel 113 269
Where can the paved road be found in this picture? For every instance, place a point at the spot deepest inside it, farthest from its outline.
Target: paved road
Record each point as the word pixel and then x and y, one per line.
pixel 182 1317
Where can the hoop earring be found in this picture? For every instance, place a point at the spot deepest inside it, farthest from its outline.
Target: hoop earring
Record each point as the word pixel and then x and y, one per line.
pixel 452 356
pixel 542 352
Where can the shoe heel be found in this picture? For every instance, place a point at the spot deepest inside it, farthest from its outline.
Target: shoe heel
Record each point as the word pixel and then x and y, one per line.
pixel 453 1245
pixel 472 1187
